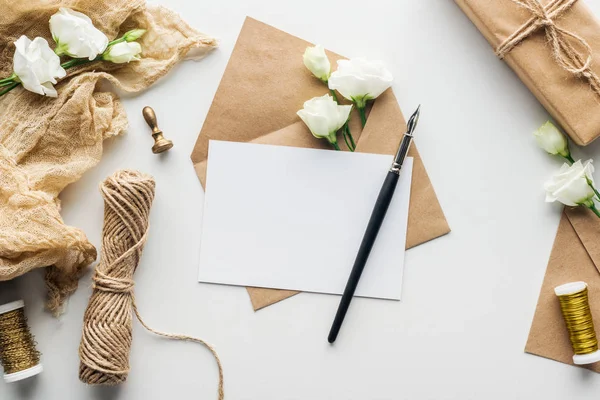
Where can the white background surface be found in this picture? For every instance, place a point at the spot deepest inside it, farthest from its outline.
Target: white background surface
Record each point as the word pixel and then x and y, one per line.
pixel 281 223
pixel 469 297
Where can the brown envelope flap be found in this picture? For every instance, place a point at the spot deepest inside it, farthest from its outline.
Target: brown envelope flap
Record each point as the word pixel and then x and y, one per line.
pixel 261 297
pixel 569 261
pixel 587 227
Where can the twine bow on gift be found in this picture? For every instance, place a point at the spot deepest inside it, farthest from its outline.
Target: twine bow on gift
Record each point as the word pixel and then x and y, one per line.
pixel 576 61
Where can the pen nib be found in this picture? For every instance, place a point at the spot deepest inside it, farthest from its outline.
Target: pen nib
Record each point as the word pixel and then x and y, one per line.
pixel 412 121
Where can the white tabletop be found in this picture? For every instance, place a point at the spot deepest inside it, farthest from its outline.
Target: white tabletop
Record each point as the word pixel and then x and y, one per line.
pixel 468 299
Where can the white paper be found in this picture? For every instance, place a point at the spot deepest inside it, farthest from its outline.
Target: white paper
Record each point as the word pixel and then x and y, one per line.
pixel 293 218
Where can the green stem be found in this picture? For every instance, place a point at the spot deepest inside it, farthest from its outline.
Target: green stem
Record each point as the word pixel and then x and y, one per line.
pixel 363 116
pixel 594 189
pixel 335 146
pixel 7 83
pixel 8 89
pixel 78 61
pixel 347 130
pixel 569 159
pixel 346 138
pixel 8 80
pixel 591 184
pixel 334 95
pixel 595 210
pixel 119 40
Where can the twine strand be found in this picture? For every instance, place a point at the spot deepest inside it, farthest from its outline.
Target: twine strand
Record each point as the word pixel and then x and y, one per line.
pixel 188 339
pixel 577 62
pixel 107 330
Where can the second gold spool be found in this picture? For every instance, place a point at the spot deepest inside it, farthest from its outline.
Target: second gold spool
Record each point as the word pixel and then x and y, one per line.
pixel 574 304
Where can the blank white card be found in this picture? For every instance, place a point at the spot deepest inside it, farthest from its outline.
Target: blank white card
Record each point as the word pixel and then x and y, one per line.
pixel 293 218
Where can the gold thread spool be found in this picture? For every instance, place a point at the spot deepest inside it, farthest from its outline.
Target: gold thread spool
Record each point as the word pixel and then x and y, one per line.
pixel 18 354
pixel 575 307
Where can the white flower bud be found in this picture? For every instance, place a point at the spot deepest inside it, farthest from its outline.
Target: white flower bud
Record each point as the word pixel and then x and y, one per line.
pixel 553 141
pixel 317 62
pixel 123 52
pixel 134 35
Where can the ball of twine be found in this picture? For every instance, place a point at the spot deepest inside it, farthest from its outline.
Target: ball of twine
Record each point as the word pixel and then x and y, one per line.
pixel 107 330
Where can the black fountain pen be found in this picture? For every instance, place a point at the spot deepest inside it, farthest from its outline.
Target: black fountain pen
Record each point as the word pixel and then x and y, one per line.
pixel 381 206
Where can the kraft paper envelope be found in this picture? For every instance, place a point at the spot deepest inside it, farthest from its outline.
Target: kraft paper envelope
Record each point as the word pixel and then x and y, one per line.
pixel 263 86
pixel 575 257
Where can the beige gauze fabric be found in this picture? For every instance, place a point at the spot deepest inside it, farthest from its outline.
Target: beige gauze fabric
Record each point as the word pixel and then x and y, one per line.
pixel 48 143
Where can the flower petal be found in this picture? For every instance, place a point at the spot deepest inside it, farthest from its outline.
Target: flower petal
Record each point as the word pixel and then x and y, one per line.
pixel 360 79
pixel 570 185
pixel 317 62
pixel 36 65
pixel 324 117
pixel 76 34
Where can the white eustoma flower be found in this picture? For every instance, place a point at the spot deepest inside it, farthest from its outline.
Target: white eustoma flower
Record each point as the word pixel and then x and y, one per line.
pixel 37 66
pixel 317 62
pixel 360 80
pixel 134 34
pixel 324 117
pixel 572 185
pixel 76 35
pixel 123 52
pixel 549 138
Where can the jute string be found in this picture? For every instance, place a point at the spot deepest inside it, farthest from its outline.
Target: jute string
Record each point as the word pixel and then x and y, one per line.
pixel 107 330
pixel 573 60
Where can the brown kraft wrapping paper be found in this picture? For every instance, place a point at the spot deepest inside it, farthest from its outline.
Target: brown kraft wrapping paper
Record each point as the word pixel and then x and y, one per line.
pixel 568 98
pixel 263 86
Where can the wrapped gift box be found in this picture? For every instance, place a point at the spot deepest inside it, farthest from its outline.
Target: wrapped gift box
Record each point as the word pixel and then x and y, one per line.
pixel 555 35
